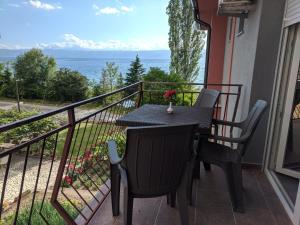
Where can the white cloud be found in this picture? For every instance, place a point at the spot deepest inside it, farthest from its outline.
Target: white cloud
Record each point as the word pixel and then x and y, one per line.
pixel 72 41
pixel 126 9
pixel 111 10
pixel 14 5
pixel 107 11
pixel 45 6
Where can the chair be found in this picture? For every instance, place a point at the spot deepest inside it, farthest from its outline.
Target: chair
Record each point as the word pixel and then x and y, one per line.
pixel 157 162
pixel 229 158
pixel 207 98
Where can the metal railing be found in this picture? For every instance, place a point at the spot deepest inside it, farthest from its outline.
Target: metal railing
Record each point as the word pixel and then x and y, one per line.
pixel 62 174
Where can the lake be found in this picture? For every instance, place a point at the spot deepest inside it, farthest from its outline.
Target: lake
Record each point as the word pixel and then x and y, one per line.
pixel 91 63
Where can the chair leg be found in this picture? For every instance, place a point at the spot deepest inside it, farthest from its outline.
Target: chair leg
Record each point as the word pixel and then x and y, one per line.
pixel 171 199
pixel 196 168
pixel 183 201
pixel 235 186
pixel 207 166
pixel 128 207
pixel 190 181
pixel 115 190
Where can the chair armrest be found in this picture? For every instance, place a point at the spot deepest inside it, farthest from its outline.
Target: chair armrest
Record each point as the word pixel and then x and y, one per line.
pixel 226 123
pixel 113 153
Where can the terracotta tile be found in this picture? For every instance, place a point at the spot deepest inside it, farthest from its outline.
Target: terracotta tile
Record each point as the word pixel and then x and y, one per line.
pixel 278 211
pixel 255 217
pixel 212 215
pixel 104 214
pixel 170 216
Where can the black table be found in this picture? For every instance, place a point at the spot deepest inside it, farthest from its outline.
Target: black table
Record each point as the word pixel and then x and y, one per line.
pixel 148 115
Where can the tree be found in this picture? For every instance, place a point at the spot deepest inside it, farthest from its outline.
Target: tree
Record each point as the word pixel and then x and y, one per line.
pixel 34 68
pixel 156 74
pixel 185 40
pixel 135 72
pixel 67 85
pixel 120 81
pixel 109 76
pixel 7 87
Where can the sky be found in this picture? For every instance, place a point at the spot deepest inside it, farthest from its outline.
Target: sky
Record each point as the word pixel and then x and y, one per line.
pixel 84 24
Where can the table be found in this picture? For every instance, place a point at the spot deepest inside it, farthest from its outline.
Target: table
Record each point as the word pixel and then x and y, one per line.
pixel 148 115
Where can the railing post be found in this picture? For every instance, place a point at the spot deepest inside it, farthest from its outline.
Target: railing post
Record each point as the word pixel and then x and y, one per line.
pixel 141 90
pixel 61 168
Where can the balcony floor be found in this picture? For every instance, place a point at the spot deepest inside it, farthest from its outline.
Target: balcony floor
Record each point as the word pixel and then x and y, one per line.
pixel 212 205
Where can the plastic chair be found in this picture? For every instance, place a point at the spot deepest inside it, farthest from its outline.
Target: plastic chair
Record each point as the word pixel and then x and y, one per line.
pixel 157 162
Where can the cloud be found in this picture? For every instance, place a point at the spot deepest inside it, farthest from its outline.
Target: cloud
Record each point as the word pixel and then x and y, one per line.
pixel 45 6
pixel 14 5
pixel 126 9
pixel 73 41
pixel 111 10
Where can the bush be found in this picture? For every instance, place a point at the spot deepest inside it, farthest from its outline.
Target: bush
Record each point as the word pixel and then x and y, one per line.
pixel 155 74
pixel 26 132
pixel 48 211
pixel 67 85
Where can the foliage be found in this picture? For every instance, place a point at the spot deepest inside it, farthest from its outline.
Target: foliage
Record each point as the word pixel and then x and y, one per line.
pixel 48 211
pixel 7 87
pixel 67 85
pixel 109 77
pixel 135 72
pixel 157 75
pixel 185 40
pixel 33 68
pixel 28 131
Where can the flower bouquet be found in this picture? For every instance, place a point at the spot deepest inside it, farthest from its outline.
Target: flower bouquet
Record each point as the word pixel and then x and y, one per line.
pixel 169 96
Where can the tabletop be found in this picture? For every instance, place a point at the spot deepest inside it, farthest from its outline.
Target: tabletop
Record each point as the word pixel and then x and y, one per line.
pixel 148 115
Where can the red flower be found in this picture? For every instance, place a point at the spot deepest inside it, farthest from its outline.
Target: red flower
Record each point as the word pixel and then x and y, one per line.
pixel 68 180
pixel 169 94
pixel 79 170
pixel 71 166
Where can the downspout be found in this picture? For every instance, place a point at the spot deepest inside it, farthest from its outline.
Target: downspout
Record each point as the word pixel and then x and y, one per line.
pixel 208 28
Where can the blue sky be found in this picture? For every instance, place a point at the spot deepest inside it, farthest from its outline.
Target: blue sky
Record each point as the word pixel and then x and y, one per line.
pixel 86 24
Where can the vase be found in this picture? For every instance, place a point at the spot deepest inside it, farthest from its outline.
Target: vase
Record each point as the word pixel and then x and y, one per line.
pixel 170 110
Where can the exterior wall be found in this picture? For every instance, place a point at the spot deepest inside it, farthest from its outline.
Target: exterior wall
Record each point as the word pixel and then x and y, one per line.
pixel 252 62
pixel 208 13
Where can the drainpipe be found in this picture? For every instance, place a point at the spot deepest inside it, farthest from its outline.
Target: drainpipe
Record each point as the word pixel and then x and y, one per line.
pixel 208 28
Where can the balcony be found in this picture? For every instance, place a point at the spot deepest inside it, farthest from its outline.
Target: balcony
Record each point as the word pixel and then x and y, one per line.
pixel 61 176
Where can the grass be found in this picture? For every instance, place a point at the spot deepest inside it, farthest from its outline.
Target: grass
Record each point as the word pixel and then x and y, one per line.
pixel 50 214
pixel 82 133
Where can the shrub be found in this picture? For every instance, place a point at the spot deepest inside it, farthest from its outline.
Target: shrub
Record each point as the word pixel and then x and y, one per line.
pixel 50 214
pixel 28 131
pixel 67 85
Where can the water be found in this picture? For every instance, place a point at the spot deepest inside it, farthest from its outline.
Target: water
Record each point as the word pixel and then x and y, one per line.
pixel 91 63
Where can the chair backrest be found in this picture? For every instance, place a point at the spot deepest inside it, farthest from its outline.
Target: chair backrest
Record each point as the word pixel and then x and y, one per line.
pixel 207 98
pixel 156 158
pixel 249 125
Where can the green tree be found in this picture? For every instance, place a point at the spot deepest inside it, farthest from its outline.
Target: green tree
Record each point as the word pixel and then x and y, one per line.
pixel 135 72
pixel 34 69
pixel 186 41
pixel 156 74
pixel 7 87
pixel 120 81
pixel 109 76
pixel 67 85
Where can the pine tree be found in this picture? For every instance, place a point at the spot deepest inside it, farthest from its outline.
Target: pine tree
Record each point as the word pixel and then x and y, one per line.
pixel 185 40
pixel 135 72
